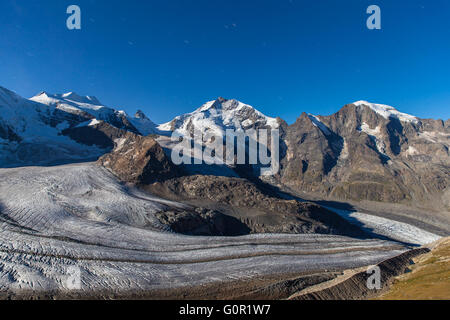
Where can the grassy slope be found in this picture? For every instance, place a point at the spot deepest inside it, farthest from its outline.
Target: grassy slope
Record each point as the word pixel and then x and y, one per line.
pixel 429 277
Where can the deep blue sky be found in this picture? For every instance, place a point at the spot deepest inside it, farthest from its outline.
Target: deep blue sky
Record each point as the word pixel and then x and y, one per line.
pixel 283 57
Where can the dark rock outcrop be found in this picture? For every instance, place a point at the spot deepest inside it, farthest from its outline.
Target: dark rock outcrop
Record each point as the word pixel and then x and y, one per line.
pixel 202 222
pixel 260 211
pixel 139 160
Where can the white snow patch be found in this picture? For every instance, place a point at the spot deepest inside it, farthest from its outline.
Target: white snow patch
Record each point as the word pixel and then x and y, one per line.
pixel 89 123
pixel 411 151
pixel 119 143
pixel 94 122
pixel 247 123
pixel 317 123
pixel 41 143
pixel 374 134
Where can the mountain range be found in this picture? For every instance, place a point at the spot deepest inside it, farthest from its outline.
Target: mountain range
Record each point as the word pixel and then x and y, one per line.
pixel 365 151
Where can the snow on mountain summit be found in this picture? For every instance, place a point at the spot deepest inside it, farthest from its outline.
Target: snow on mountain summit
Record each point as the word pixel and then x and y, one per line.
pixel 83 99
pixel 90 107
pixel 387 111
pixel 70 101
pixel 31 134
pixel 219 115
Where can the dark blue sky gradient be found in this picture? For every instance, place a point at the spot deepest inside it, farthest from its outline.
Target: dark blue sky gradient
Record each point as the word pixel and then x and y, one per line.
pixel 283 57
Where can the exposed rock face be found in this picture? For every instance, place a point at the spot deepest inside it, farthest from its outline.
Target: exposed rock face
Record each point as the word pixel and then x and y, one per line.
pixel 139 160
pixel 359 154
pixel 101 134
pixel 140 115
pixel 233 206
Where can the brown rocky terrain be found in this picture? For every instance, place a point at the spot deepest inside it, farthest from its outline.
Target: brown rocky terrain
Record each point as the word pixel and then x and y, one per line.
pixel 138 159
pixel 259 210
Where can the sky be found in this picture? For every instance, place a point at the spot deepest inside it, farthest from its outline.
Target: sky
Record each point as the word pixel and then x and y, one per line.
pixel 283 57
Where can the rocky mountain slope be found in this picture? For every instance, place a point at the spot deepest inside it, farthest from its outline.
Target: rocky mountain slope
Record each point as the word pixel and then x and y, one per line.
pixel 364 151
pixel 139 160
pixel 369 152
pixel 260 211
pixel 232 205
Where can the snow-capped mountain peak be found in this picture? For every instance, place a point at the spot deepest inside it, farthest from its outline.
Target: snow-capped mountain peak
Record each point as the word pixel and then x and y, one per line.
pixel 68 98
pixel 31 133
pixel 89 107
pixel 387 111
pixel 219 115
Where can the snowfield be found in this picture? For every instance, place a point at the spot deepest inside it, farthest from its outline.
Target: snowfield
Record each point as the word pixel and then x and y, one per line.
pixel 54 220
pixel 387 111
